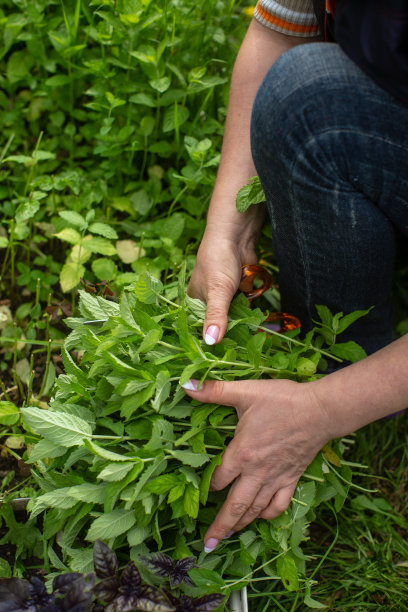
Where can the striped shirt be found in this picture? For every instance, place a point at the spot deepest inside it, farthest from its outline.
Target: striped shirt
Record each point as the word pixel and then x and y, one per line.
pixel 293 17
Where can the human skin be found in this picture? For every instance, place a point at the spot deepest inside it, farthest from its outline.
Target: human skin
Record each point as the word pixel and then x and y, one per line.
pixel 282 424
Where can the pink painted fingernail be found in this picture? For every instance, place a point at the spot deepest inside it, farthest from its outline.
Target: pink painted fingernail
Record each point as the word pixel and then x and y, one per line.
pixel 190 385
pixel 210 545
pixel 228 535
pixel 211 335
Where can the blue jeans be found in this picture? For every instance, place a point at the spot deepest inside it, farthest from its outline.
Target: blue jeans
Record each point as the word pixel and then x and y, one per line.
pixel 331 151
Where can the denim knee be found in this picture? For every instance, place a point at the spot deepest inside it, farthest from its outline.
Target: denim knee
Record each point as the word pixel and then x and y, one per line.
pixel 297 96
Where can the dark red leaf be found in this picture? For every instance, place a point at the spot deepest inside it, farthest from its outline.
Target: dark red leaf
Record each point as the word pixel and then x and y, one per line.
pixel 79 593
pixel 14 588
pixel 104 559
pixel 107 589
pixel 160 564
pixel 62 582
pixel 208 602
pixel 131 579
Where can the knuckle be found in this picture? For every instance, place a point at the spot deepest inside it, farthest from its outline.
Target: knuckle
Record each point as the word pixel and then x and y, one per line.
pixel 238 508
pixel 255 510
pixel 249 454
pixel 218 391
pixel 280 506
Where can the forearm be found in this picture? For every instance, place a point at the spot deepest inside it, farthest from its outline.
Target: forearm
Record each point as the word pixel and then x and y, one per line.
pixel 260 49
pixel 365 391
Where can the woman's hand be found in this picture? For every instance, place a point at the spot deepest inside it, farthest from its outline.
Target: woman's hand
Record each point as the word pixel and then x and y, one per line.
pixel 281 428
pixel 216 277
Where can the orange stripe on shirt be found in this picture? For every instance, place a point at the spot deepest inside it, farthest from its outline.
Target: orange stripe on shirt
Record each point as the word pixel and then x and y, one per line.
pixel 285 25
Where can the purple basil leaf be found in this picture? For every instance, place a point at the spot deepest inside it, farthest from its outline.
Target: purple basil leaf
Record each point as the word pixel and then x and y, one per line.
pixel 208 602
pixel 52 607
pixel 131 579
pixel 160 564
pixel 14 588
pixel 153 600
pixel 105 561
pixel 180 571
pixel 186 564
pixel 107 589
pixel 38 593
pixel 62 582
pixel 78 594
pixel 123 603
pixel 12 605
pixel 185 604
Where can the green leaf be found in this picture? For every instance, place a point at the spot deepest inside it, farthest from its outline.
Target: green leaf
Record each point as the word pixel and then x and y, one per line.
pixel 250 194
pixel 111 525
pixel 254 348
pixel 70 276
pixel 191 369
pixel 162 484
pixel 5 569
pixel 304 493
pixel 163 387
pixel 176 492
pixel 148 288
pixel 206 579
pixel 116 471
pixel 351 351
pixel 189 458
pixel 72 368
pixel 61 428
pixel 69 234
pixel 103 230
pixel 206 478
pixel 288 572
pixel 196 307
pixel 87 492
pixel 174 117
pixel 313 603
pixel 104 269
pixel 150 340
pixel 99 245
pixel 191 500
pixel 160 85
pixel 45 449
pixel 9 413
pixel 137 535
pixel 73 218
pixel 53 499
pixel 26 211
pixel 347 320
pixel 104 453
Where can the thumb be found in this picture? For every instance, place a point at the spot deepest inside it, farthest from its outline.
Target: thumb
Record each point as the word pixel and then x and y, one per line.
pixel 219 298
pixel 226 393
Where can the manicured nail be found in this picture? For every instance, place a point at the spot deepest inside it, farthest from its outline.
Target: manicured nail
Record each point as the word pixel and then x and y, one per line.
pixel 228 535
pixel 210 545
pixel 211 335
pixel 190 385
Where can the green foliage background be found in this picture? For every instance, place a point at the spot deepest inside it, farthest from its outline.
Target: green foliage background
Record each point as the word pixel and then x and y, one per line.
pixel 111 119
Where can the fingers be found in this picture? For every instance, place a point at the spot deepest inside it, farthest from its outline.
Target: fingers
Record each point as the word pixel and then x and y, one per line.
pixel 239 502
pixel 219 297
pixel 279 503
pixel 261 501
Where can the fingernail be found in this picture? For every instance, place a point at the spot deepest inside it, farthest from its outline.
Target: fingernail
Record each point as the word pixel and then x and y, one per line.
pixel 210 545
pixel 228 535
pixel 190 385
pixel 211 335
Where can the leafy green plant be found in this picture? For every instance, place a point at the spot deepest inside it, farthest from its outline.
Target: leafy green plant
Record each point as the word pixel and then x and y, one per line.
pixel 123 454
pixel 120 592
